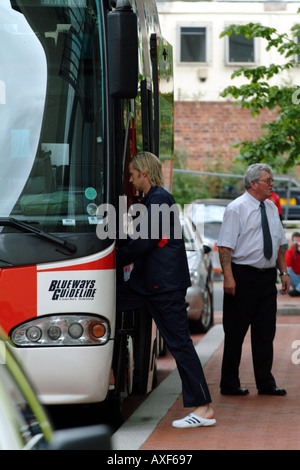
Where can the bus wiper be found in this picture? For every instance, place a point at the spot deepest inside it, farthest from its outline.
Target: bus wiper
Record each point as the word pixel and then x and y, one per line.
pixel 25 227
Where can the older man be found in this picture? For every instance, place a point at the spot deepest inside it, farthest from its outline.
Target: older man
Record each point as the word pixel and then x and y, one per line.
pixel 250 259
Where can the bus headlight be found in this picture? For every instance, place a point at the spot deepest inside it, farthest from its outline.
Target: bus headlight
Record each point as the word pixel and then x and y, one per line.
pixel 62 330
pixel 33 333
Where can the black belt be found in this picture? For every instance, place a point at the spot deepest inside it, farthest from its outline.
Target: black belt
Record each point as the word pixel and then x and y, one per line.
pixel 247 266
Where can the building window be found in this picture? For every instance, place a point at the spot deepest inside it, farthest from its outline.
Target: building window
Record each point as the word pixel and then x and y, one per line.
pixel 193 44
pixel 240 50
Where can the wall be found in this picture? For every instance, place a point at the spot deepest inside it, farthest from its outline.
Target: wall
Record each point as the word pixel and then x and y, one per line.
pixel 216 15
pixel 207 125
pixel 208 129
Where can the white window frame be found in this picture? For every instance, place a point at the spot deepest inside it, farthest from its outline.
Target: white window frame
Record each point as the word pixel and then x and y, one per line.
pixel 227 62
pixel 207 45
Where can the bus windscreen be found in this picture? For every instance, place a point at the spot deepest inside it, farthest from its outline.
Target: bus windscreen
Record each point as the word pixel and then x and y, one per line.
pixel 51 96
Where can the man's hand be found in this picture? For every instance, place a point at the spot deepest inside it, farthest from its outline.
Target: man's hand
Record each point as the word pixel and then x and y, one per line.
pixel 229 285
pixel 286 283
pixel 225 260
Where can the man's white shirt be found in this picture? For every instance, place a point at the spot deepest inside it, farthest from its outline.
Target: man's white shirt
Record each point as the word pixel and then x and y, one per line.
pixel 241 231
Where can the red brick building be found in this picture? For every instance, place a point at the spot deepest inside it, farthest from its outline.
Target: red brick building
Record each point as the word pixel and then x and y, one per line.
pixel 206 130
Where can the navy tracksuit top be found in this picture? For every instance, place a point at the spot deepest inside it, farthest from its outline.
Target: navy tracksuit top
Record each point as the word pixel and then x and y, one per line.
pixel 160 263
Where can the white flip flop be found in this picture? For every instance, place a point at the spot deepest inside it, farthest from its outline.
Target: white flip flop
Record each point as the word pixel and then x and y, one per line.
pixel 193 421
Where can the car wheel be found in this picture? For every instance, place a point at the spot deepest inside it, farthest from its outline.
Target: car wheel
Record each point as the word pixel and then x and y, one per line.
pixel 206 319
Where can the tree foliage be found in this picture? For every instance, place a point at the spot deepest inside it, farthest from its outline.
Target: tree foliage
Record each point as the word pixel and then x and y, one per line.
pixel 279 146
pixel 188 186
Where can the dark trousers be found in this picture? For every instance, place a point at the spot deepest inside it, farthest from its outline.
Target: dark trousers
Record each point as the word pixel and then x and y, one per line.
pixel 255 304
pixel 169 313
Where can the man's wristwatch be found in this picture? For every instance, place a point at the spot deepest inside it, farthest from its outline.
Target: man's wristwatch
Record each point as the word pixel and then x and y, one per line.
pixel 283 274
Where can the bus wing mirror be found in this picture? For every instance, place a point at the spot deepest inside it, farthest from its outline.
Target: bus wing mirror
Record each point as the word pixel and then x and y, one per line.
pixel 122 51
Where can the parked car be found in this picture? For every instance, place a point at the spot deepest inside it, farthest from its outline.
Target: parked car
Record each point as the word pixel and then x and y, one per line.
pixel 199 297
pixel 207 215
pixel 24 423
pixel 288 190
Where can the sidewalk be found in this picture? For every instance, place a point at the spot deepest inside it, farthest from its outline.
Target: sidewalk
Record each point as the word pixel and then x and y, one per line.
pixel 252 422
pixel 287 305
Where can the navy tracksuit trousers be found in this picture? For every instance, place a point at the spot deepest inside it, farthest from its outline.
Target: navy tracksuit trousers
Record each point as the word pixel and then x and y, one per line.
pixel 168 310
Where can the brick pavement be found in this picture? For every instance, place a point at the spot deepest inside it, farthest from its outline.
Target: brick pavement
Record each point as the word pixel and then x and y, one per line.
pixel 252 422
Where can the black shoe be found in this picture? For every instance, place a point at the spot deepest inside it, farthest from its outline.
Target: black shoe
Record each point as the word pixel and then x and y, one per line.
pixel 272 391
pixel 235 391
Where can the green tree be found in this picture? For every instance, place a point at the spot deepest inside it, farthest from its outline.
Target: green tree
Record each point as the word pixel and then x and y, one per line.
pixel 279 146
pixel 188 187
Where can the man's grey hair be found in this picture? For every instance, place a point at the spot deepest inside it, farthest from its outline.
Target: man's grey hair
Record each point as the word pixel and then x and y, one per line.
pixel 254 171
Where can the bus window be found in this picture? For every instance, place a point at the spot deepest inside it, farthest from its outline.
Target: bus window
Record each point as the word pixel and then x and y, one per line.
pixel 53 142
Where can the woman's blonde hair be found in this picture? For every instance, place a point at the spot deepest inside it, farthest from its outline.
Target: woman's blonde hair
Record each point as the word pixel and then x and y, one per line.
pixel 147 161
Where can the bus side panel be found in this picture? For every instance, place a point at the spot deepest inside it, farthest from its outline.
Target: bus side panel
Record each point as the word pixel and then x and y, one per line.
pixel 78 286
pixel 76 374
pixel 63 374
pixel 69 375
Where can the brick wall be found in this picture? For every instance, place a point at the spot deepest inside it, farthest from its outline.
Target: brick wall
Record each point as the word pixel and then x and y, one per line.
pixel 207 130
